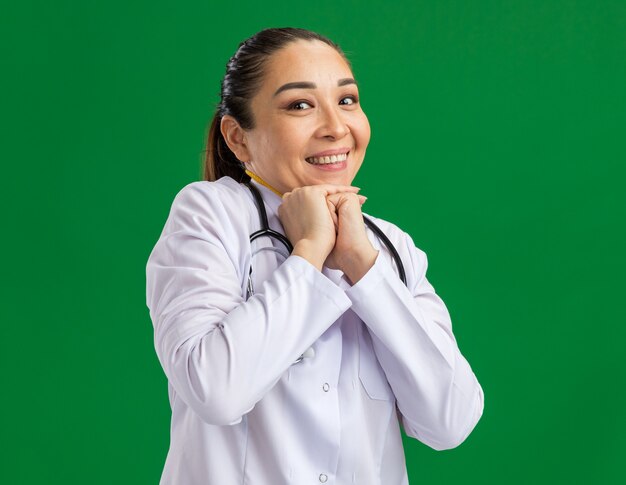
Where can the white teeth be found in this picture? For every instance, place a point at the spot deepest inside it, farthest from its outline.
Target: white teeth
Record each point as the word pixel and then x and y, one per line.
pixel 325 160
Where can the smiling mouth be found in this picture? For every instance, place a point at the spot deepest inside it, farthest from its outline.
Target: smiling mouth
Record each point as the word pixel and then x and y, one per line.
pixel 341 157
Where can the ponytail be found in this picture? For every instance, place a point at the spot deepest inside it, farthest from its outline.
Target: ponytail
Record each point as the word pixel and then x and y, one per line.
pixel 219 160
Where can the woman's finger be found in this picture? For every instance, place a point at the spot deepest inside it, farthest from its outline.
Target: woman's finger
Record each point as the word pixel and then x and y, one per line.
pixel 329 189
pixel 340 198
pixel 333 214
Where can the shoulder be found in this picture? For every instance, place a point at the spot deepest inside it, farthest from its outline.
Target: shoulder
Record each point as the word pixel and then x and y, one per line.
pixel 224 192
pixel 411 255
pixel 389 228
pixel 203 207
pixel 206 220
pixel 394 233
pixel 211 202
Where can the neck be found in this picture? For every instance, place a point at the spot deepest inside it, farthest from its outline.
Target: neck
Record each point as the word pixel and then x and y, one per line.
pixel 258 179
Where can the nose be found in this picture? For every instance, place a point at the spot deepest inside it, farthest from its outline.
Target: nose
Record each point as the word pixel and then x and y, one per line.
pixel 332 123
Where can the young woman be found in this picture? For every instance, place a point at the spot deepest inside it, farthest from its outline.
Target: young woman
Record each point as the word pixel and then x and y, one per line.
pixel 295 353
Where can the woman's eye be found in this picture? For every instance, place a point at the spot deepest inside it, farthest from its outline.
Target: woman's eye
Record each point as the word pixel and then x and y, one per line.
pixel 299 105
pixel 348 100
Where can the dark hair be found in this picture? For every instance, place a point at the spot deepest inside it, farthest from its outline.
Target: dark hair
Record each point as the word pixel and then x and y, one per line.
pixel 243 78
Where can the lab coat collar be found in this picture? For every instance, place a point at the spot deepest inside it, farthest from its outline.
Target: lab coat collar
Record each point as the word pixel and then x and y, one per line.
pixel 272 200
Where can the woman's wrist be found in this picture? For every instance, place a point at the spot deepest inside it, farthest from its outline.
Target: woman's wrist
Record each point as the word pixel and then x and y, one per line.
pixel 312 251
pixel 359 264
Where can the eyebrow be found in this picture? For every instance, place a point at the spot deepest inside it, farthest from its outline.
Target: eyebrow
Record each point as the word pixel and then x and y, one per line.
pixel 309 85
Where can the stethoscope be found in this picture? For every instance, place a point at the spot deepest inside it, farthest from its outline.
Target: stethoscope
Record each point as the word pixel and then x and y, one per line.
pixel 267 231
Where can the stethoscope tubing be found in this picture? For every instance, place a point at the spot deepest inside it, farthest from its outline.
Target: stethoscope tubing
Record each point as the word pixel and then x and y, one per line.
pixel 394 254
pixel 267 231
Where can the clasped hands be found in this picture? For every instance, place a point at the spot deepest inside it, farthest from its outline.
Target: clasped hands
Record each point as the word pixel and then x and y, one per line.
pixel 325 225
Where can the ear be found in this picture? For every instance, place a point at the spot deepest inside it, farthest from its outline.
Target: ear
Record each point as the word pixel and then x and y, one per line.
pixel 235 137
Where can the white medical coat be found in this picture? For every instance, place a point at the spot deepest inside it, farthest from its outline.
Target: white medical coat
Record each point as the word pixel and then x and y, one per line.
pixel 242 411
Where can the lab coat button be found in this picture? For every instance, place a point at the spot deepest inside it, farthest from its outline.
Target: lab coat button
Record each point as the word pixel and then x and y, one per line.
pixel 323 478
pixel 326 387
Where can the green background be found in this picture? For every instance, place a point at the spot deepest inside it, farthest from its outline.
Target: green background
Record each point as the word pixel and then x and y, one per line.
pixel 497 143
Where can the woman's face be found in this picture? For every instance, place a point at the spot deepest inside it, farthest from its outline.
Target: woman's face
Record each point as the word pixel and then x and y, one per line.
pixel 307 114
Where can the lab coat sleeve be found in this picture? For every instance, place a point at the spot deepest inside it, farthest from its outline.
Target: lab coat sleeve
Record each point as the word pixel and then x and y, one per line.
pixel 437 394
pixel 220 353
